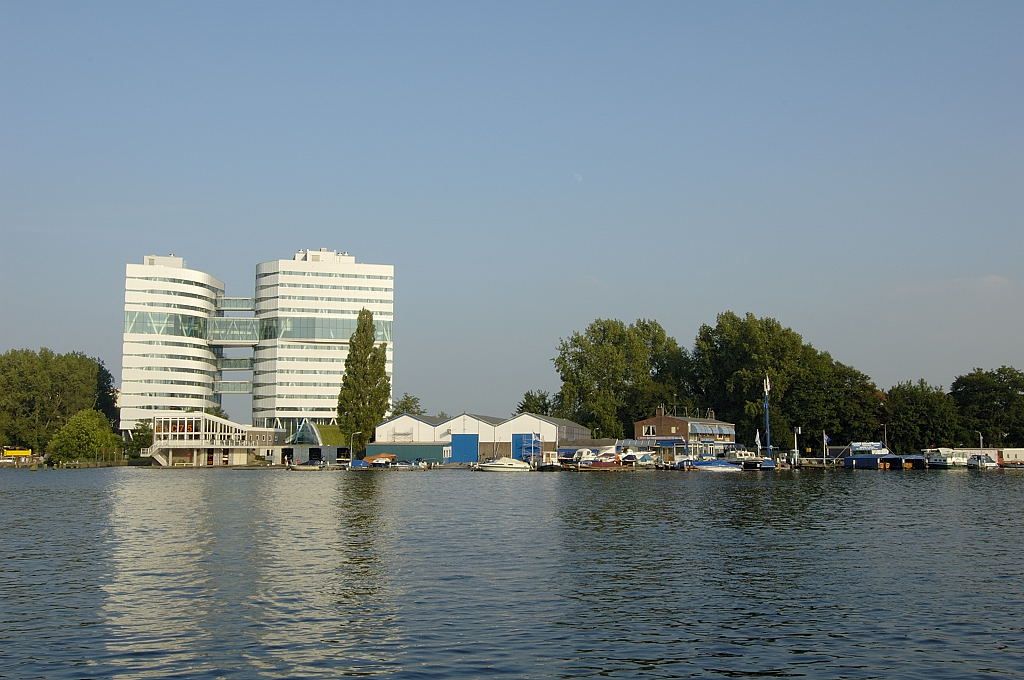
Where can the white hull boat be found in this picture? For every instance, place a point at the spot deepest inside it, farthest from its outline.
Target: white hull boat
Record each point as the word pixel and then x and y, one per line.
pixel 504 464
pixel 717 465
pixel 983 462
pixel 945 458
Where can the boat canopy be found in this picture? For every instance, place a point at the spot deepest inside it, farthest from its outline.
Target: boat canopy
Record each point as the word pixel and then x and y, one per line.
pixel 712 428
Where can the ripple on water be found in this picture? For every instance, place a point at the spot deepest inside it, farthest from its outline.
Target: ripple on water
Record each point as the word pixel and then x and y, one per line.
pixel 149 573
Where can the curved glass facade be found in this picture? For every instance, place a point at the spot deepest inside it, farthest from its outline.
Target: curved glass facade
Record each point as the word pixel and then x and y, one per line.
pixel 165 323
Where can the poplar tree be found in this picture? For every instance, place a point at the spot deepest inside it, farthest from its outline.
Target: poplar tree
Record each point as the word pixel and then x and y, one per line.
pixel 365 388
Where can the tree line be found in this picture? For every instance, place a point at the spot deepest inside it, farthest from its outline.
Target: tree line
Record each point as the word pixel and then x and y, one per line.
pixel 61 404
pixel 613 374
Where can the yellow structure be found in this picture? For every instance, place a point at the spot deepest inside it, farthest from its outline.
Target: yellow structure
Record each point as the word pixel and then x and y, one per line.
pixel 13 452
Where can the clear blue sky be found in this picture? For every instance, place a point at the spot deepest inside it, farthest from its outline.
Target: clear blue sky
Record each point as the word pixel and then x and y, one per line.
pixel 854 169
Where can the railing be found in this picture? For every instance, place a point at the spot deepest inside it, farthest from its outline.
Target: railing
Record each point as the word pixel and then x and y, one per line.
pixel 235 364
pixel 207 444
pixel 232 386
pixel 236 304
pixel 233 330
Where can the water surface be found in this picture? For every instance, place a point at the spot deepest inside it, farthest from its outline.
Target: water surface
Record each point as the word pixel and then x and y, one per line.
pixel 140 573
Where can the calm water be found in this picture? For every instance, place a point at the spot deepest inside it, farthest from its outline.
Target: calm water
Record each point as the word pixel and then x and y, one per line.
pixel 267 574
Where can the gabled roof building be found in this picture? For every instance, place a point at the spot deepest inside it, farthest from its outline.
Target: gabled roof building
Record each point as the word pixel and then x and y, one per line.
pixel 692 435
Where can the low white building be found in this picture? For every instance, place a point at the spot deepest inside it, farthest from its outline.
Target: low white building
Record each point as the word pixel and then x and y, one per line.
pixel 551 430
pixel 469 437
pixel 199 439
pixel 408 429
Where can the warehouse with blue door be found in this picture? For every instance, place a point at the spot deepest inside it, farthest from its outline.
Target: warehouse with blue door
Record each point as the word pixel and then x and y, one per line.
pixel 471 438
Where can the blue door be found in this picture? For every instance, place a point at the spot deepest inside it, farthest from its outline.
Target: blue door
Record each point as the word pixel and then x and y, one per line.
pixel 465 448
pixel 526 446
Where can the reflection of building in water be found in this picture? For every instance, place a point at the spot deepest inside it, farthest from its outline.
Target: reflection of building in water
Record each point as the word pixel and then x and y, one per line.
pixel 158 593
pixel 322 558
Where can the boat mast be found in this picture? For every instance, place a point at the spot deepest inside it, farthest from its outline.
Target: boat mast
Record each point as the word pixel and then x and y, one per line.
pixel 767 421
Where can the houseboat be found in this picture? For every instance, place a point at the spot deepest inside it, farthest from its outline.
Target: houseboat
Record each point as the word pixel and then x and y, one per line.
pixel 944 458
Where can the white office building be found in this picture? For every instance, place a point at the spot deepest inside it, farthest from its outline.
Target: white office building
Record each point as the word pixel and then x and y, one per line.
pixel 167 363
pixel 182 336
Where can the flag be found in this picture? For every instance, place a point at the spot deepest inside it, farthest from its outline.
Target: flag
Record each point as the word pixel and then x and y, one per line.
pixel 757 440
pixel 767 384
pixel 826 438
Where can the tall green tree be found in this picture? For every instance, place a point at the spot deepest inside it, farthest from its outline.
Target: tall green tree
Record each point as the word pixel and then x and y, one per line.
pixel 536 401
pixel 86 436
pixel 920 416
pixel 40 391
pixel 365 388
pixel 809 388
pixel 613 374
pixel 992 402
pixel 407 404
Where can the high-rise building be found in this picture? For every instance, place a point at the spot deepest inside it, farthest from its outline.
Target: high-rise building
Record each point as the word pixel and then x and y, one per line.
pixel 182 334
pixel 307 309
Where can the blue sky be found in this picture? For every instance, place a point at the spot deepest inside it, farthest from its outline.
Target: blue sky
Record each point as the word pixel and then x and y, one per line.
pixel 854 170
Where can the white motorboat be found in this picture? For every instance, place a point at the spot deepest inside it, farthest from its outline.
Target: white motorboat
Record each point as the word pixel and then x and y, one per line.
pixel 638 459
pixel 715 465
pixel 944 459
pixel 981 462
pixel 308 466
pixel 504 464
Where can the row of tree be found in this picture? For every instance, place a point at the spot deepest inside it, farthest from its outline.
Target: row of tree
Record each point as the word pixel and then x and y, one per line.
pixel 614 374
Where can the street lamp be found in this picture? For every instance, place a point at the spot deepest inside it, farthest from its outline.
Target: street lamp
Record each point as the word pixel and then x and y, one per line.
pixel 981 443
pixel 350 452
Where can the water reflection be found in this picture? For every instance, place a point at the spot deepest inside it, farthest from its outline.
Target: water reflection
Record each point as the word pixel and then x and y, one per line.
pixel 53 544
pixel 142 573
pixel 158 597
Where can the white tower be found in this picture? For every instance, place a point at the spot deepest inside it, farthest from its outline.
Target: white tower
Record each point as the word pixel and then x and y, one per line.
pixel 307 309
pixel 167 362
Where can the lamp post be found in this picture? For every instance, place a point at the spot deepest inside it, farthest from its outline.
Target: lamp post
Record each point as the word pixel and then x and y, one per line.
pixel 351 453
pixel 981 443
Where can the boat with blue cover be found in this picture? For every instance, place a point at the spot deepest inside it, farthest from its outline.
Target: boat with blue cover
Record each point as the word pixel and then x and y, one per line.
pixel 876 456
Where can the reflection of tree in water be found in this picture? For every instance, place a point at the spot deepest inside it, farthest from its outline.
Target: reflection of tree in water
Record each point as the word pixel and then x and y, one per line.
pixel 654 558
pixel 363 597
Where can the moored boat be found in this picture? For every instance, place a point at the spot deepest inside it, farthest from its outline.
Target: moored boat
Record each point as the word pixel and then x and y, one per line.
pixel 875 456
pixel 638 459
pixel 504 464
pixel 551 466
pixel 715 465
pixel 981 461
pixel 945 458
pixel 308 466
